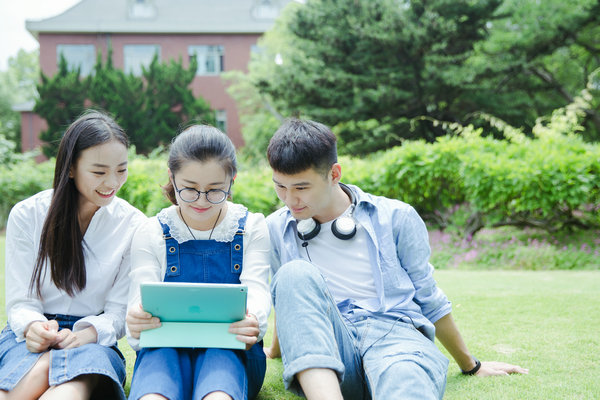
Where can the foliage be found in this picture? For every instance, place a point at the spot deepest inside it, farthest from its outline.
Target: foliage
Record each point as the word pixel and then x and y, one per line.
pixel 356 61
pixel 258 119
pixel 150 108
pixel 17 86
pixel 62 99
pixel 168 103
pixel 21 180
pixel 537 58
pixel 380 72
pixel 464 181
pixel 112 90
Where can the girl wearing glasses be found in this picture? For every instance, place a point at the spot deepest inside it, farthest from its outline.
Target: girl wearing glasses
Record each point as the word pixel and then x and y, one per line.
pixel 199 237
pixel 67 265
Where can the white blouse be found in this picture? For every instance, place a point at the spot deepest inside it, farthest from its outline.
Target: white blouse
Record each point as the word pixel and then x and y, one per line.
pixel 107 243
pixel 149 256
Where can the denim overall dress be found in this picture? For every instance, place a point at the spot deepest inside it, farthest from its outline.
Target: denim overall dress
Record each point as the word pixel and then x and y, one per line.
pixel 65 364
pixel 192 373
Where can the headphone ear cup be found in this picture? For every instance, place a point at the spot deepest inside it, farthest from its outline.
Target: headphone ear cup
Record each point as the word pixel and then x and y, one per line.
pixel 344 228
pixel 308 228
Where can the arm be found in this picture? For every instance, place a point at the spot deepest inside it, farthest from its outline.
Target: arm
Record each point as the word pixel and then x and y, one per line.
pixel 448 334
pixel 255 274
pixel 22 307
pixel 148 264
pixel 109 325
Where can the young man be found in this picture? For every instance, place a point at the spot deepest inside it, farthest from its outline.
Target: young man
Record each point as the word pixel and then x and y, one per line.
pixel 356 305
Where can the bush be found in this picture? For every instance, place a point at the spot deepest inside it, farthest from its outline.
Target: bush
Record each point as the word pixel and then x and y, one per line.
pixel 20 181
pixel 463 181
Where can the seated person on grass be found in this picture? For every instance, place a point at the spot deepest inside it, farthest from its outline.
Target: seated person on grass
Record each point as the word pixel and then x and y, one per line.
pixel 355 301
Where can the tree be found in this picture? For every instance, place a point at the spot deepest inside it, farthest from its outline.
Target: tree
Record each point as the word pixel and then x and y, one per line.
pixel 17 86
pixel 118 93
pixel 538 57
pixel 258 119
pixel 62 99
pixel 168 103
pixel 383 60
pixel 383 71
pixel 150 108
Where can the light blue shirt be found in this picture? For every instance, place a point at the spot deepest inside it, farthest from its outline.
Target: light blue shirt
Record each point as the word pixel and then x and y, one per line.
pixel 399 252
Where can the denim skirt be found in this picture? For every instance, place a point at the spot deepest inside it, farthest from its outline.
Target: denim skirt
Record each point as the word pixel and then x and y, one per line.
pixel 65 364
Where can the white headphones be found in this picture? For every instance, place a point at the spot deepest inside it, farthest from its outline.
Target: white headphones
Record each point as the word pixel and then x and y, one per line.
pixel 343 228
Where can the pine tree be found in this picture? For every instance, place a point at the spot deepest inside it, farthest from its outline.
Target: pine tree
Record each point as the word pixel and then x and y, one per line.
pixel 61 101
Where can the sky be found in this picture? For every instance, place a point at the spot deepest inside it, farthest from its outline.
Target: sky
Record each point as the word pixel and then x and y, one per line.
pixel 13 13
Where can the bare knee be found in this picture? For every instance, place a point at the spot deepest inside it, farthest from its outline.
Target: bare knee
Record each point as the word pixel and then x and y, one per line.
pixel 153 396
pixel 217 396
pixel 34 383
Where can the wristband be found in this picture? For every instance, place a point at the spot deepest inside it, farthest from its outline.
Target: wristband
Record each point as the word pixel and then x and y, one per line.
pixel 475 368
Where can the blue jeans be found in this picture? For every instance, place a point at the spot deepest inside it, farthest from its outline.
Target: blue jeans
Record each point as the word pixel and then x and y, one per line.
pixel 373 356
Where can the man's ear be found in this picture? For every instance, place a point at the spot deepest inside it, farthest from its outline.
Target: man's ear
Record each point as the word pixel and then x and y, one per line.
pixel 336 173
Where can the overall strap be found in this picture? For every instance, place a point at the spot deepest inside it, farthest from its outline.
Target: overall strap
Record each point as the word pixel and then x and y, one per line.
pixel 172 252
pixel 237 246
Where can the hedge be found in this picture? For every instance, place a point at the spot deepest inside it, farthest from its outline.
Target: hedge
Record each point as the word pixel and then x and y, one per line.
pixel 466 181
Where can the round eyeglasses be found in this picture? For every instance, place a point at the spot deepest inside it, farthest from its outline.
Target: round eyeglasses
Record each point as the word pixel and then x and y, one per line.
pixel 190 195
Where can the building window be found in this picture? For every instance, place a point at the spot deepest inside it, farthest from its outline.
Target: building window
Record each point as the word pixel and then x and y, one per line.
pixel 264 9
pixel 137 56
pixel 221 118
pixel 80 56
pixel 142 9
pixel 210 59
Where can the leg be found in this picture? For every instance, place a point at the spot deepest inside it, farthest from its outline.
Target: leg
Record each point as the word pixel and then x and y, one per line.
pixel 35 383
pixel 311 331
pixel 217 396
pixel 400 362
pixel 80 388
pixel 3 395
pixel 153 397
pixel 162 373
pixel 319 383
pixel 220 374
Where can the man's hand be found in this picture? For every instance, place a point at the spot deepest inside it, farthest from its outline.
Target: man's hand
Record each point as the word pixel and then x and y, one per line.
pixel 41 335
pixel 246 330
pixel 495 368
pixel 139 320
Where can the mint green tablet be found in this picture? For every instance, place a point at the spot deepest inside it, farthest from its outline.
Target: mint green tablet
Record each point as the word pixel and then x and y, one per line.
pixel 193 314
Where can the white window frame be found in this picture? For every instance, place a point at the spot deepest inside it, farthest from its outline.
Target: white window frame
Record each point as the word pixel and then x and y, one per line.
pixel 82 56
pixel 221 120
pixel 211 58
pixel 137 55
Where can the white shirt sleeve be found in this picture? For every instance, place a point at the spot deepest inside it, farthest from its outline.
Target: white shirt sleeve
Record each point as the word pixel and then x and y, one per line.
pixel 148 264
pixel 21 307
pixel 255 271
pixel 110 325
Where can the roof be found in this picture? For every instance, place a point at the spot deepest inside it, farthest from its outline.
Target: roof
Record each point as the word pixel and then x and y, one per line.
pixel 162 16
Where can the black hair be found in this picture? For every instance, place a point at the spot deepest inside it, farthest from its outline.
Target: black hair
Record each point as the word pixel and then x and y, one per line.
pixel 299 145
pixel 200 143
pixel 61 241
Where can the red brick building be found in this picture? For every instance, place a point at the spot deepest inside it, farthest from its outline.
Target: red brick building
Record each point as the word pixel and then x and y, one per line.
pixel 220 33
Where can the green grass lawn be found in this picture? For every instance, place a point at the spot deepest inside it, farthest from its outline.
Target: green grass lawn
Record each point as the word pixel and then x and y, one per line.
pixel 546 321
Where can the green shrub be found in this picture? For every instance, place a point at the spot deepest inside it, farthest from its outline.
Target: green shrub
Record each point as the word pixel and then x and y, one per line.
pixel 464 181
pixel 21 180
